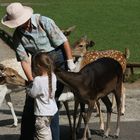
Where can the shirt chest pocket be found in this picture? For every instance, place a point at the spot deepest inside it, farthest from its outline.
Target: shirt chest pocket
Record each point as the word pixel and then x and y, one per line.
pixel 42 39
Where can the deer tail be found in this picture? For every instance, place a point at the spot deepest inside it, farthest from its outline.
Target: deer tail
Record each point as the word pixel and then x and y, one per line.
pixel 127 53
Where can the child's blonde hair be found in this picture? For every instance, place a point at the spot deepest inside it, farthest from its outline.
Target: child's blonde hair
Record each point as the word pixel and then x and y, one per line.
pixel 42 60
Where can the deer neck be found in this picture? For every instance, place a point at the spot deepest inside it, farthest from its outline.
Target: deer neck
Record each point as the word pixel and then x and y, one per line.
pixel 70 79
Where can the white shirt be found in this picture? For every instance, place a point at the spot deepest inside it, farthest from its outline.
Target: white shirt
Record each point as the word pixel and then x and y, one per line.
pixel 44 105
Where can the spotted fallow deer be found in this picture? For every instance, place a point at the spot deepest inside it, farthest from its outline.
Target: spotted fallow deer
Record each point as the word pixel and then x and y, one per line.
pixel 80 49
pixel 10 81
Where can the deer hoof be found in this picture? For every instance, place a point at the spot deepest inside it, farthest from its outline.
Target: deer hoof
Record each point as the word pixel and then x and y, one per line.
pixel 101 132
pixel 97 115
pixel 105 136
pixel 122 114
pixel 14 125
pixel 83 139
pixel 115 137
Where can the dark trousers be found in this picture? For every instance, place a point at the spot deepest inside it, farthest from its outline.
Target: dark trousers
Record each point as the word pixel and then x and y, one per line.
pixel 59 60
pixel 28 118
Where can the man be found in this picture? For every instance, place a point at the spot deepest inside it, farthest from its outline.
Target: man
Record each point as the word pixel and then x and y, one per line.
pixel 35 33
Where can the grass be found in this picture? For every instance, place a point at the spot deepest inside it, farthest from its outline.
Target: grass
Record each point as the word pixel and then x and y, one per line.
pixel 111 24
pixel 132 78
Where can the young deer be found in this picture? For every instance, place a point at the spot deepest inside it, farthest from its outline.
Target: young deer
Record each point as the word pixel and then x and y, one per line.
pixel 10 80
pixel 93 82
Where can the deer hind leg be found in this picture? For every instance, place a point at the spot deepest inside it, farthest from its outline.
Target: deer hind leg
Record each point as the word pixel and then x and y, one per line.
pixel 100 115
pixel 108 105
pixel 113 102
pixel 118 101
pixel 9 103
pixel 123 95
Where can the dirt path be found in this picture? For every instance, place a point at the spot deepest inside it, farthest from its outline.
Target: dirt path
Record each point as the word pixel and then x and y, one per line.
pixel 8 133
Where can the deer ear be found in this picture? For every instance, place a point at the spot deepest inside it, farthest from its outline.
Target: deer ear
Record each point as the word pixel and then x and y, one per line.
pixel 68 31
pixel 91 43
pixel 71 28
pixel 2 67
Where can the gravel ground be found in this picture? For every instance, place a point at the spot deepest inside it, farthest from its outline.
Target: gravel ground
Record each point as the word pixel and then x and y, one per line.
pixel 129 120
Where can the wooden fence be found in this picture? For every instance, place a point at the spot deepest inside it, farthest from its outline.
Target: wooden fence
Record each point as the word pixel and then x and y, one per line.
pixel 132 65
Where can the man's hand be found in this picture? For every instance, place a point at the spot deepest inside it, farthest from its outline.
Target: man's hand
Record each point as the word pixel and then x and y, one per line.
pixel 71 65
pixel 29 85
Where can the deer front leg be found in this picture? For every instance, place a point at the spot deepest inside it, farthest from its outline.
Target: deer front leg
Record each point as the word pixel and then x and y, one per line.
pixel 68 113
pixel 89 112
pixel 9 103
pixel 74 119
pixel 82 116
pixel 82 112
pixel 79 122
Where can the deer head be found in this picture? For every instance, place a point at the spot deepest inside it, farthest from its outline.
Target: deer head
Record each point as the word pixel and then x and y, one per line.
pixel 10 76
pixel 80 47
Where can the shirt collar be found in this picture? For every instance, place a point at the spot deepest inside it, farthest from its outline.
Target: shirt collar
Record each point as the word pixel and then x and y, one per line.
pixel 33 20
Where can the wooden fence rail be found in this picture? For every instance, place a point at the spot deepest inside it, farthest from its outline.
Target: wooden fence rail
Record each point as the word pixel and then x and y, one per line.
pixel 132 65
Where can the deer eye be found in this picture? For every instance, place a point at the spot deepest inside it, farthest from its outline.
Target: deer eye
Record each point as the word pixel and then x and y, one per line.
pixel 80 46
pixel 13 76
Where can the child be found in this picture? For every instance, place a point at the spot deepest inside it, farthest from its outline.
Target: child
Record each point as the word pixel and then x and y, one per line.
pixel 43 91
